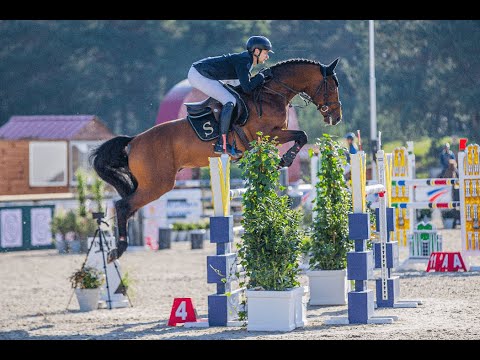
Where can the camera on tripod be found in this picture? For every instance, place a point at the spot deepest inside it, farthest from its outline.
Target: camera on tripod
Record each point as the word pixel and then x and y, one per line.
pixel 98 215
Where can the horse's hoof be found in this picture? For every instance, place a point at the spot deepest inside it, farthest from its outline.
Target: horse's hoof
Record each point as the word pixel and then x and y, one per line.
pixel 112 256
pixel 115 254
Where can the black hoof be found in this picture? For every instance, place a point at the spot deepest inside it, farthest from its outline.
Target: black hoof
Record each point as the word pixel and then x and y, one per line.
pixel 112 255
pixel 115 254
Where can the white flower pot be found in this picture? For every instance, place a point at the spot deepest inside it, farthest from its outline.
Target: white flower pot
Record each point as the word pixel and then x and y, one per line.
pixel 88 298
pixel 275 310
pixel 328 287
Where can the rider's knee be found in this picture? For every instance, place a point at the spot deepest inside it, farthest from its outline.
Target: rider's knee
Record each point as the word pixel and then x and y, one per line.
pixel 230 101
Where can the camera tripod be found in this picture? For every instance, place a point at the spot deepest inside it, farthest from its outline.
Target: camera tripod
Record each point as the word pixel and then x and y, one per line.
pixel 100 236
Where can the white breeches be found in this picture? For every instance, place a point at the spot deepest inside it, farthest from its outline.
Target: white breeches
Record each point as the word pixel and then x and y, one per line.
pixel 210 87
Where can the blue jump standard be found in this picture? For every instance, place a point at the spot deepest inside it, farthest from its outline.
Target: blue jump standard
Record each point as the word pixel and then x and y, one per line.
pixel 222 308
pixel 360 265
pixel 360 269
pixel 393 282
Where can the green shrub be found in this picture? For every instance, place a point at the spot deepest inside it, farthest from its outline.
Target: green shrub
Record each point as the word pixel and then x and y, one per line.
pixel 270 247
pixel 329 243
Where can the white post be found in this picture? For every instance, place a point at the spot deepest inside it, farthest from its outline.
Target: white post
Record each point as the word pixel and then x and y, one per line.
pixel 358 181
pixel 383 223
pixel 373 96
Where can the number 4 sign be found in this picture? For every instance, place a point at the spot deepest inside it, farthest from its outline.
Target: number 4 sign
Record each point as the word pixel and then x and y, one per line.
pixel 182 312
pixel 445 261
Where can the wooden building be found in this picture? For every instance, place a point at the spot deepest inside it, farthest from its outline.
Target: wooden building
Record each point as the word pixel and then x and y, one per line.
pixel 40 154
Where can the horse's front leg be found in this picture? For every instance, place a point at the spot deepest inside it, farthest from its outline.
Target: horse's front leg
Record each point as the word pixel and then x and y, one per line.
pixel 284 136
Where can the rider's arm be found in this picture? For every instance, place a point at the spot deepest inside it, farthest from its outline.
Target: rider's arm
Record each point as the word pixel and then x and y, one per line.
pixel 247 84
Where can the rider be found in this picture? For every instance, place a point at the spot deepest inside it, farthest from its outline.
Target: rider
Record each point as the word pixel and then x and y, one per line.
pixel 350 137
pixel 207 74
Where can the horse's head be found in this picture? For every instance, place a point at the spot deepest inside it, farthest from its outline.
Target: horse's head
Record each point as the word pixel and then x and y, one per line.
pixel 325 95
pixel 314 82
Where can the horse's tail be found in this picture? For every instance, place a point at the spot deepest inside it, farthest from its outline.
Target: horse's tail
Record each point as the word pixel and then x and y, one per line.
pixel 110 161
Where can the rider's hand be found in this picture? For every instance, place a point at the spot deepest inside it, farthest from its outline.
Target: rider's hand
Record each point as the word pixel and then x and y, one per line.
pixel 267 73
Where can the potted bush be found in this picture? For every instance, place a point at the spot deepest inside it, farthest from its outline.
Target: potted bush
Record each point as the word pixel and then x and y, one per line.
pixel 87 282
pixel 181 229
pixel 329 243
pixel 270 247
pixel 72 228
pixel 62 223
pixel 85 224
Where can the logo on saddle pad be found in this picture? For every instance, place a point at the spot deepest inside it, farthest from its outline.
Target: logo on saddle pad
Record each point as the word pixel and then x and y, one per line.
pixel 203 115
pixel 205 125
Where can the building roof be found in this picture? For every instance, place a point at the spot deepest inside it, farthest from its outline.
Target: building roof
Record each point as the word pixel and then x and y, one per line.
pixel 45 127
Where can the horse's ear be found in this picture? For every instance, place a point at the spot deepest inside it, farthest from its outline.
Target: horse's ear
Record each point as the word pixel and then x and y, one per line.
pixel 333 65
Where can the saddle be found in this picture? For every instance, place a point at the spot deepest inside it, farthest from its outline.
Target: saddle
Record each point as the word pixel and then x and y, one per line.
pixel 204 115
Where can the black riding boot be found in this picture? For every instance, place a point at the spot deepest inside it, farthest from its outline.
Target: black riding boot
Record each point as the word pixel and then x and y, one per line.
pixel 225 119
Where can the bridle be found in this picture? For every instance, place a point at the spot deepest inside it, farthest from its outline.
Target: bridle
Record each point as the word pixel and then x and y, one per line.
pixel 325 108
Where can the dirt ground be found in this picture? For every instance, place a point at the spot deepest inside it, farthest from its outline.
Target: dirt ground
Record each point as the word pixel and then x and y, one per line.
pixel 34 292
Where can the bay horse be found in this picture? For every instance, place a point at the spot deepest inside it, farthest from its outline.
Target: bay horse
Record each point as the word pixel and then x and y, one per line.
pixel 143 167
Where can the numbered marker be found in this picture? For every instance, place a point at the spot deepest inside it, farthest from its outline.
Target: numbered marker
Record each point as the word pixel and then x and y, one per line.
pixel 182 312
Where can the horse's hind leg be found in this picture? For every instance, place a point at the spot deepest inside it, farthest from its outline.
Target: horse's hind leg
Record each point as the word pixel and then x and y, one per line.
pixel 123 212
pixel 126 207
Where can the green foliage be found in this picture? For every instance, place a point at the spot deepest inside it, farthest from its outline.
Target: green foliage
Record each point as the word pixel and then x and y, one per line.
pixel 80 222
pixel 126 284
pixel 390 146
pixel 271 241
pixel 329 242
pixel 85 227
pixel 98 191
pixel 180 226
pixel 422 146
pixel 64 222
pixel 87 278
pixel 81 193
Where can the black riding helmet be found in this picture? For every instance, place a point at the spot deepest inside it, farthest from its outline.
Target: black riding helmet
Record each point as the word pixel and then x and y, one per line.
pixel 258 42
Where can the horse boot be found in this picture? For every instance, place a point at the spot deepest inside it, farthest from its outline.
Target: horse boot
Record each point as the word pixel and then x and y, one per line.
pixel 222 145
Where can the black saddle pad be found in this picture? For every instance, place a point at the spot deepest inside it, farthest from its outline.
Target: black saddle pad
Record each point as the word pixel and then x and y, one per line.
pixel 204 125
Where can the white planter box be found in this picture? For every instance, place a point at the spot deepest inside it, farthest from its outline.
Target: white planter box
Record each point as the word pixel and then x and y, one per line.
pixel 328 287
pixel 276 310
pixel 88 298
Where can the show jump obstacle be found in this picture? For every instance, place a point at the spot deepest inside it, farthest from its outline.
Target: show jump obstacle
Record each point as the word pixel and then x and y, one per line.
pixel 224 306
pixel 468 183
pixel 360 263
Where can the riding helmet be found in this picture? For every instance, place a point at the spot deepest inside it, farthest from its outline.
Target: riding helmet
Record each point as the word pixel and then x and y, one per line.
pixel 258 42
pixel 350 135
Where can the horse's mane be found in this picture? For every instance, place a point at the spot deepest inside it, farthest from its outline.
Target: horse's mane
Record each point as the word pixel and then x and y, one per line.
pixel 297 61
pixel 238 88
pixel 323 67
